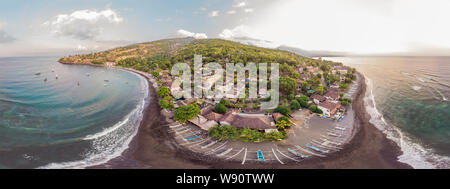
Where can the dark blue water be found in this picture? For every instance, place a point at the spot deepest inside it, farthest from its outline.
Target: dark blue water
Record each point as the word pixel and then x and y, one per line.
pixel 407 98
pixel 84 117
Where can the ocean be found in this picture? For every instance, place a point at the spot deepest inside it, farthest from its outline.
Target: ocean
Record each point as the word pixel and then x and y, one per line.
pixel 68 116
pixel 407 98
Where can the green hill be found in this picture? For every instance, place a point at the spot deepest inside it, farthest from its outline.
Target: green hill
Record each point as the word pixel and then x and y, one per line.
pixel 163 54
pixel 132 55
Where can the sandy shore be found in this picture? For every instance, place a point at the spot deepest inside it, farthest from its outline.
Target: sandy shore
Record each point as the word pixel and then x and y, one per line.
pixel 153 147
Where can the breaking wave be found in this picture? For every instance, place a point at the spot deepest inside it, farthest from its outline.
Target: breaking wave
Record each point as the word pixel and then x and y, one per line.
pixel 414 154
pixel 111 142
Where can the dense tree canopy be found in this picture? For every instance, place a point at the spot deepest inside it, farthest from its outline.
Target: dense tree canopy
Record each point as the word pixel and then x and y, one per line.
pixel 287 85
pixel 220 108
pixel 315 109
pixel 295 105
pixel 185 113
pixel 163 91
pixel 283 110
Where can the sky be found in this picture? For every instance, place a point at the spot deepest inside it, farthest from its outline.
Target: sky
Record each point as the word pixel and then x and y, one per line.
pixel 64 27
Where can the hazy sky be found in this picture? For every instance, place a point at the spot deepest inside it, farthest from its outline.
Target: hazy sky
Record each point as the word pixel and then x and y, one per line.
pixel 355 26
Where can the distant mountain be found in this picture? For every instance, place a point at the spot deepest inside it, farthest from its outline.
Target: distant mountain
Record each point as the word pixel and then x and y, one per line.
pixel 274 45
pixel 255 42
pixel 312 53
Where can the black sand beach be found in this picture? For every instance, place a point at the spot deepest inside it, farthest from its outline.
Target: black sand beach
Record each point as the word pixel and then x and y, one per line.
pixel 153 147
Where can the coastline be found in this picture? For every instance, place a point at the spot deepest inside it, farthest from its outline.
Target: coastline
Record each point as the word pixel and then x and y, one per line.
pixel 153 147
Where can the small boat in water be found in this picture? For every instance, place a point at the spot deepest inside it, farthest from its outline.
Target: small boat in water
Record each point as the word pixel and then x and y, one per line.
pixel 56 76
pixel 45 80
pixel 37 73
pixel 106 80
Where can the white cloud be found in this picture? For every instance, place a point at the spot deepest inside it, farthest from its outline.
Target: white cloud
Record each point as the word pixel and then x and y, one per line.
pixel 249 10
pixel 213 13
pixel 355 26
pixel 5 37
pixel 163 19
pixel 231 12
pixel 184 33
pixel 83 24
pixel 240 4
pixel 82 48
pixel 239 31
pixel 245 35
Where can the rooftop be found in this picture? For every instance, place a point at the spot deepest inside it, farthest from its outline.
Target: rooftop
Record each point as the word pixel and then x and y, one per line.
pixel 213 116
pixel 262 122
pixel 318 97
pixel 334 94
pixel 329 105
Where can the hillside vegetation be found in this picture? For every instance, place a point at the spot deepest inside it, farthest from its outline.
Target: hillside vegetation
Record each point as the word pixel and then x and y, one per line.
pixel 142 56
pixel 163 54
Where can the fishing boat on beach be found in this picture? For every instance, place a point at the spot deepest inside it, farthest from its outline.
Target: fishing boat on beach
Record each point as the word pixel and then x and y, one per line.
pixel 260 155
pixel 297 154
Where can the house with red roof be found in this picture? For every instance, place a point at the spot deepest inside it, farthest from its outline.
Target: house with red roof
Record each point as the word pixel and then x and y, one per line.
pixel 329 108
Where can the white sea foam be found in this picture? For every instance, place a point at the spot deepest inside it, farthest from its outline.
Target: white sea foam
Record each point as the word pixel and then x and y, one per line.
pixel 110 129
pixel 442 95
pixel 405 73
pixel 421 79
pixel 416 88
pixel 112 142
pixel 413 153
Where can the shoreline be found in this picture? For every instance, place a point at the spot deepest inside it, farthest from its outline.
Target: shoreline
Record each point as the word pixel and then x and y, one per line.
pixel 153 147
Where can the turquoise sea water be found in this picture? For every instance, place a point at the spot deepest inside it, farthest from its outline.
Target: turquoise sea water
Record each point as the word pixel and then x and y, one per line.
pixel 408 99
pixel 84 117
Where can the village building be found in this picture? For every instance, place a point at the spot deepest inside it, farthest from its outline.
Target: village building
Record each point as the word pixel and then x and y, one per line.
pixel 263 122
pixel 213 116
pixel 299 85
pixel 312 69
pixel 180 103
pixel 206 110
pixel 329 108
pixel 317 99
pixel 277 116
pixel 332 95
pixel 203 123
pixel 176 89
pixel 300 69
pixel 167 81
pixel 335 85
pixel 227 119
pixel 257 122
pixel 167 84
pixel 341 69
